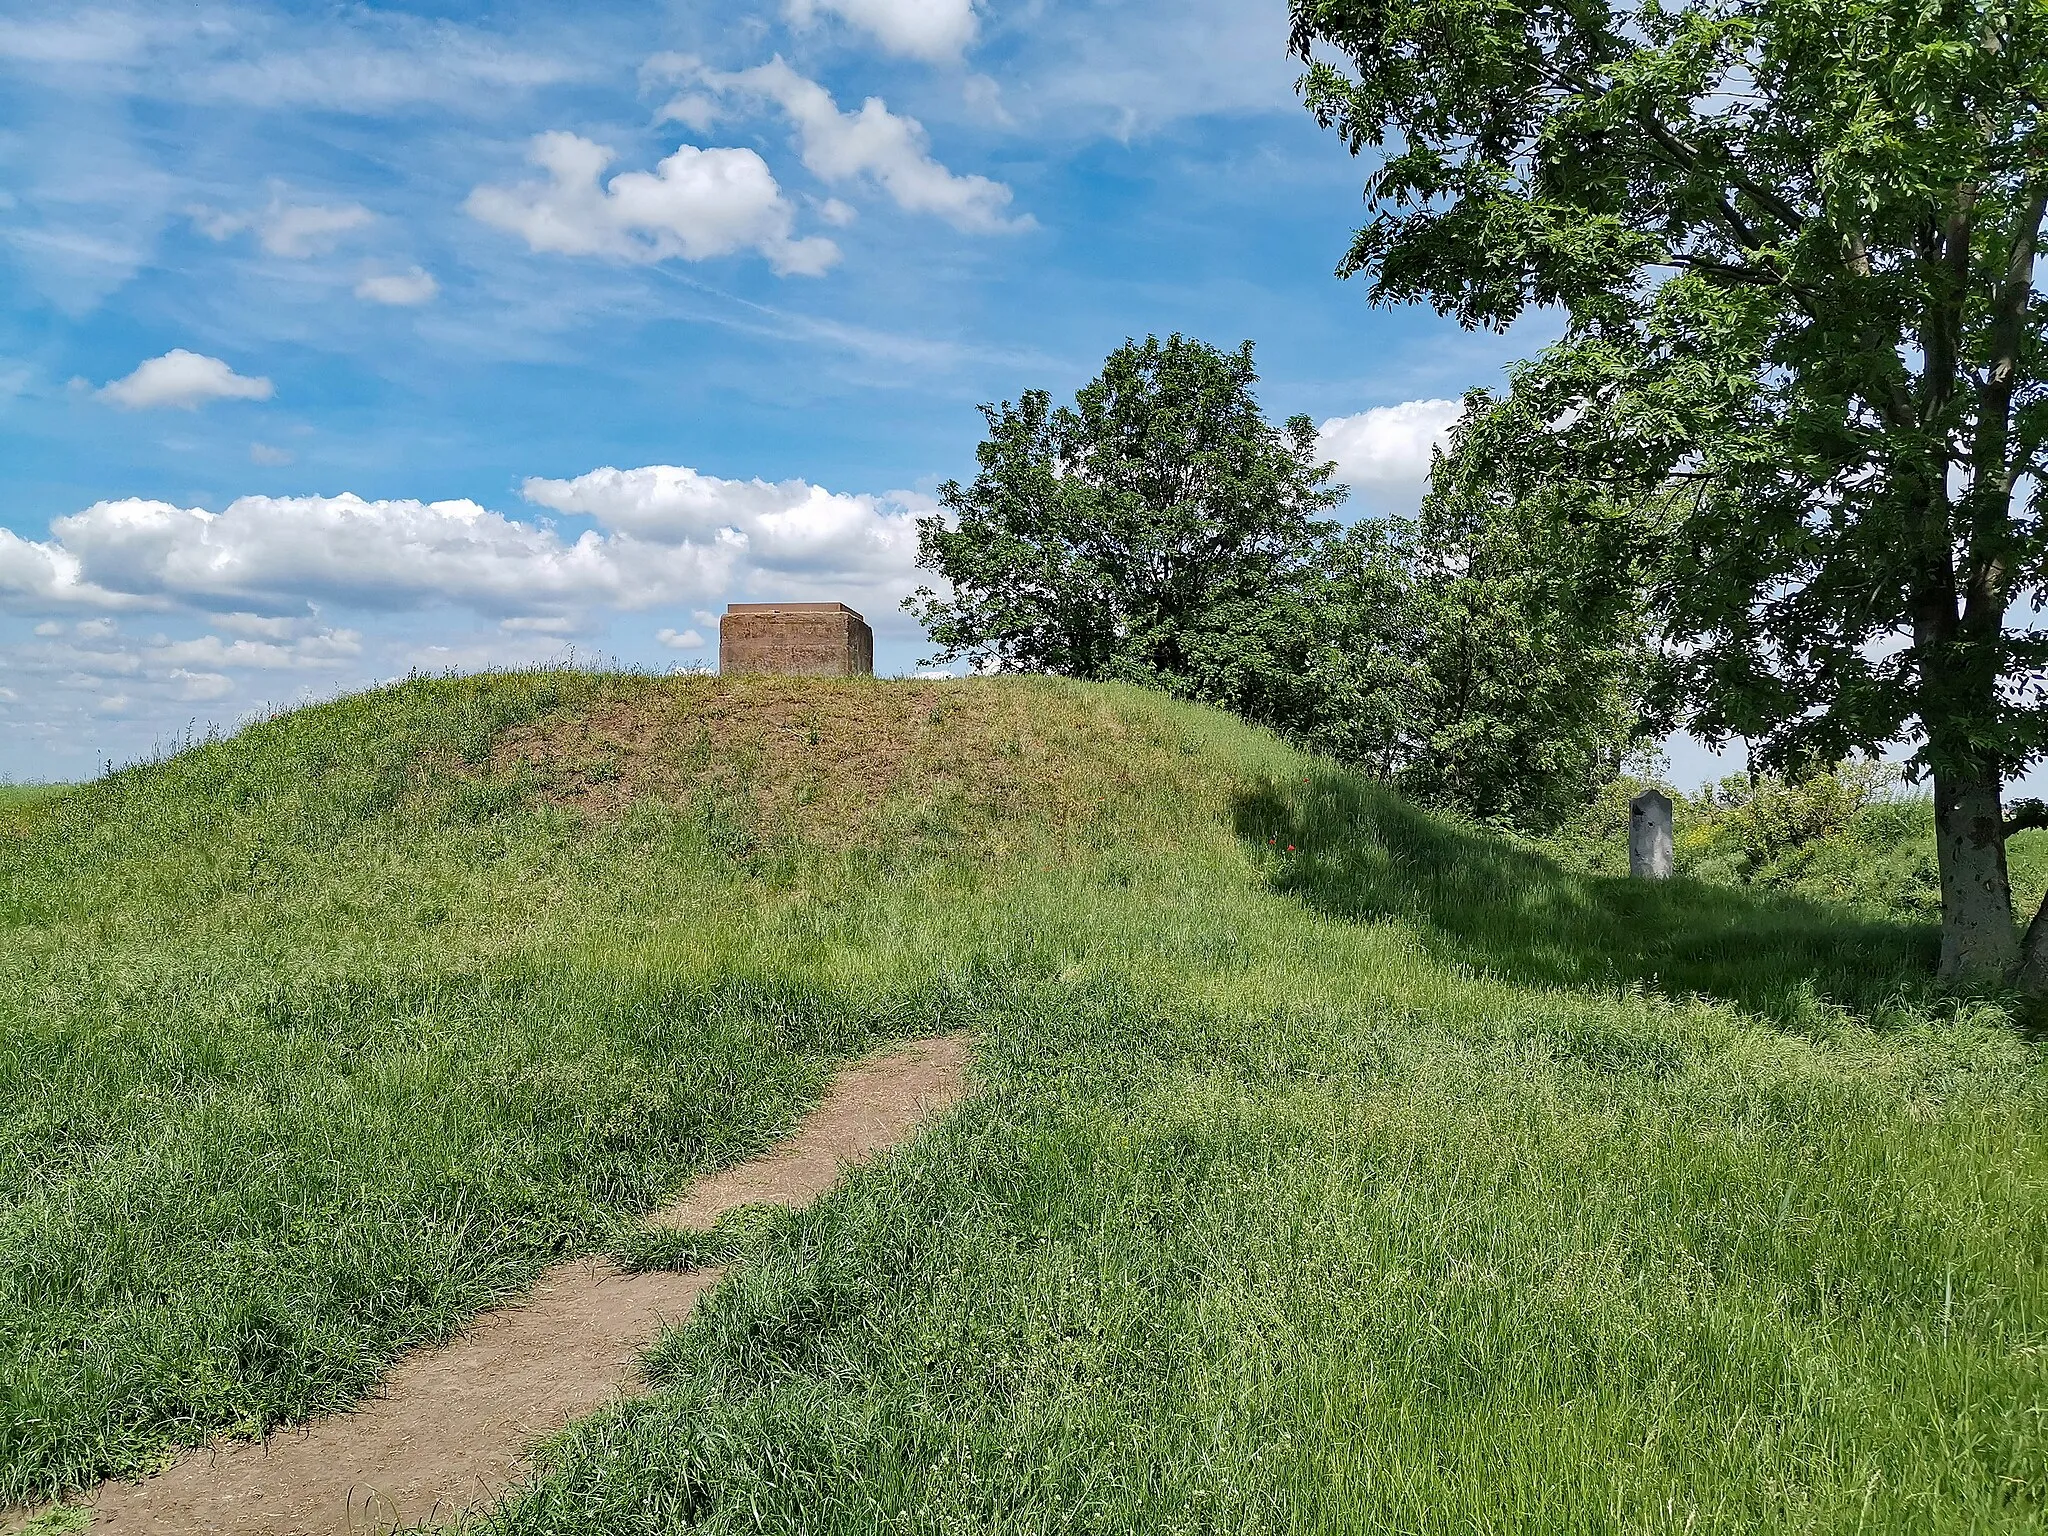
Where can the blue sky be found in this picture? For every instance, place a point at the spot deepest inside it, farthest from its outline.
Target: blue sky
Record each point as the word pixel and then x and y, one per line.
pixel 343 340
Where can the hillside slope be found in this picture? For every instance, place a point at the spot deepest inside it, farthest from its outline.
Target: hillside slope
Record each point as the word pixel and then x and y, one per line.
pixel 1336 1167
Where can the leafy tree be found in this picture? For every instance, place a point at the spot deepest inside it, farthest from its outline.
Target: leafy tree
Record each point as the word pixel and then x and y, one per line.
pixel 1536 656
pixel 1794 242
pixel 1160 530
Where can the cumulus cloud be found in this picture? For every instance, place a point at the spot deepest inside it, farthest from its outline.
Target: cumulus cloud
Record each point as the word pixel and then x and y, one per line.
pixel 1384 453
pixel 185 381
pixel 664 534
pixel 191 687
pixel 276 551
pixel 294 230
pixel 790 527
pixel 398 288
pixel 873 144
pixel 680 640
pixel 696 204
pixel 36 577
pixel 937 30
pixel 267 626
pixel 71 673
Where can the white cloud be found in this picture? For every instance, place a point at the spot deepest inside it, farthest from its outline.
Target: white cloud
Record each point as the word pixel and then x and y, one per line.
pixel 421 63
pixel 938 30
pixel 198 687
pixel 280 551
pixel 665 534
pixel 264 626
pixel 351 60
pixel 401 288
pixel 983 98
pixel 1384 453
pixel 1113 66
pixel 696 204
pixel 309 230
pixel 293 230
pixel 78 36
pixel 185 381
pixel 37 576
pixel 685 640
pixel 539 624
pixel 310 651
pixel 264 453
pixel 700 114
pixel 790 527
pixel 874 144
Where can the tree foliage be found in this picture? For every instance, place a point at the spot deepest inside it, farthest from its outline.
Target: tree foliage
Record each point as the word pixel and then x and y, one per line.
pixel 1794 242
pixel 1536 654
pixel 1161 531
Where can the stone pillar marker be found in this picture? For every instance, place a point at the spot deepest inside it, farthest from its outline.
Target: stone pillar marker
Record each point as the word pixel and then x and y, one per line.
pixel 1649 836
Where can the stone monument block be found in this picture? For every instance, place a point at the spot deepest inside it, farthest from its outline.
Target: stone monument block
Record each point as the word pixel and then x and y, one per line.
pixel 1649 835
pixel 795 640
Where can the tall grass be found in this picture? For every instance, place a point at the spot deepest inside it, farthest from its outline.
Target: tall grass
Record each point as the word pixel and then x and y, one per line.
pixel 1335 1168
pixel 1394 1181
pixel 315 1041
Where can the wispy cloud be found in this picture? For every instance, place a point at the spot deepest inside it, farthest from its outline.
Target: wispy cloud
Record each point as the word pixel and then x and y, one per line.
pixel 284 228
pixel 935 30
pixel 404 289
pixel 871 145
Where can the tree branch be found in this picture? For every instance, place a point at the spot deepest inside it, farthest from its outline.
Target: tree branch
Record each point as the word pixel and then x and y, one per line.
pixel 1992 476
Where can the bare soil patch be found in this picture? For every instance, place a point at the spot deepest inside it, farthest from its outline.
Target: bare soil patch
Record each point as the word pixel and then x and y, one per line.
pixel 451 1426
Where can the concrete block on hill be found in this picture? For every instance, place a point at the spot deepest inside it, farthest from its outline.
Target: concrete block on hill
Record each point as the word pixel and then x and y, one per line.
pixel 795 640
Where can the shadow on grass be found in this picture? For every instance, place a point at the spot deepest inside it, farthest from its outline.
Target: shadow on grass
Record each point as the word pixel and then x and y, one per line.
pixel 1361 852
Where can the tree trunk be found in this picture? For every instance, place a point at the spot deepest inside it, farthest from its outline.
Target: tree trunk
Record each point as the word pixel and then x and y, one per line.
pixel 1977 939
pixel 2033 973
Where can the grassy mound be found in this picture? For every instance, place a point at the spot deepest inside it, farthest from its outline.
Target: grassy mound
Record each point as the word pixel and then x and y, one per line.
pixel 316 1040
pixel 1338 1168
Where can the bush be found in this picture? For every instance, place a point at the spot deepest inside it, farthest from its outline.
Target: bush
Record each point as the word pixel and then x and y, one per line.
pixel 1852 834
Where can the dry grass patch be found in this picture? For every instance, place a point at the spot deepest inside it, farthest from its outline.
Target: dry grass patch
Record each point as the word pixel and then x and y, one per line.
pixel 852 761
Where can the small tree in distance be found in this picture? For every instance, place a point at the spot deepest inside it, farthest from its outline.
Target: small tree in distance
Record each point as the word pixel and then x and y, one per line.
pixel 1148 533
pixel 1125 535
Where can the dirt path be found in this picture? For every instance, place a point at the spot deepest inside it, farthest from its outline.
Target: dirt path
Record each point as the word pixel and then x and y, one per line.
pixel 449 1429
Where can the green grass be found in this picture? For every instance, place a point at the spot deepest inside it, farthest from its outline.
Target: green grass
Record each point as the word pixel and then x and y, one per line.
pixel 1876 858
pixel 1335 1168
pixel 19 801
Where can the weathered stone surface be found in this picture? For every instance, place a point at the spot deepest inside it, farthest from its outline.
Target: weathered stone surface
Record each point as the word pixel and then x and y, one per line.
pixel 1649 835
pixel 795 640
